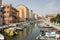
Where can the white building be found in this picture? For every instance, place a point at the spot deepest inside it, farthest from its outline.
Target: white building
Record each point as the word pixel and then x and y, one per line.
pixel 30 14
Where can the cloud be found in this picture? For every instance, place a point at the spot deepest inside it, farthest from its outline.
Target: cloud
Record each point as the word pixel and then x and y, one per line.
pixel 51 7
pixel 41 6
pixel 8 1
pixel 51 0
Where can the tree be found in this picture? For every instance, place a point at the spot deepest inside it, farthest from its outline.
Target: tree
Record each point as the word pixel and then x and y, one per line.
pixel 56 19
pixel 53 19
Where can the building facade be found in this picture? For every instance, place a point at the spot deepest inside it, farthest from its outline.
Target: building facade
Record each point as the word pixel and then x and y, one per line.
pixel 10 14
pixel 23 12
pixel 35 16
pixel 31 14
pixel 1 16
pixel 49 16
pixel 0 3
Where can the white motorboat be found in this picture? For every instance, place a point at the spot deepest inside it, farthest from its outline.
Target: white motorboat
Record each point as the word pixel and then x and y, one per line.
pixel 48 36
pixel 40 37
pixel 1 37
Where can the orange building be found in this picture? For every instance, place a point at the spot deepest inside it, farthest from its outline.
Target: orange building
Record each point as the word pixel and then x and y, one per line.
pixel 10 14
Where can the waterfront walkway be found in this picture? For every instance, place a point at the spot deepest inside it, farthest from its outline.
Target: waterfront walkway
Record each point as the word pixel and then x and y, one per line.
pixel 52 25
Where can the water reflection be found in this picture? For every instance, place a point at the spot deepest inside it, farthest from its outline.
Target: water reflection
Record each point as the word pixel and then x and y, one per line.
pixel 23 34
pixel 29 33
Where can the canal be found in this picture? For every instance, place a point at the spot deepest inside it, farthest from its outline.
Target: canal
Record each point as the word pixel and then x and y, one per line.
pixel 29 33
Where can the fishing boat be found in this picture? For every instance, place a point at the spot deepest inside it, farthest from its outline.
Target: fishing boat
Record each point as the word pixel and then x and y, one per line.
pixel 48 36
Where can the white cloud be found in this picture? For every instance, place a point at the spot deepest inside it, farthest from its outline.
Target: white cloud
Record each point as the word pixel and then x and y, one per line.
pixel 51 7
pixel 51 0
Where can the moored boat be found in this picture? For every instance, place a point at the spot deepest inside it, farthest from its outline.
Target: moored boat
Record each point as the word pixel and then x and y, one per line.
pixel 48 35
pixel 1 37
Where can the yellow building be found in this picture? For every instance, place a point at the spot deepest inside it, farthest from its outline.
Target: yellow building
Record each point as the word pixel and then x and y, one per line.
pixel 23 12
pixel 49 16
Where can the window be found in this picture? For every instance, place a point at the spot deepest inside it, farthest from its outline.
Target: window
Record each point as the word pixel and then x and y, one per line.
pixel 7 7
pixel 7 11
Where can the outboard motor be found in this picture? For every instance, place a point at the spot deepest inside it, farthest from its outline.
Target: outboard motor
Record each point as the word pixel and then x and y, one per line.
pixel 42 33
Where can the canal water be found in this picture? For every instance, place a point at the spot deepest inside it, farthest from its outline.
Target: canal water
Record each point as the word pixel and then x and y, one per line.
pixel 29 33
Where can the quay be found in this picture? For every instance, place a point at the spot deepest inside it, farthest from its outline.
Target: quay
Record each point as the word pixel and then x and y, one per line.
pixel 52 25
pixel 35 31
pixel 45 24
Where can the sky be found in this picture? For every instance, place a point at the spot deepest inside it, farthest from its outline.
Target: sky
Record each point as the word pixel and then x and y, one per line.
pixel 42 7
